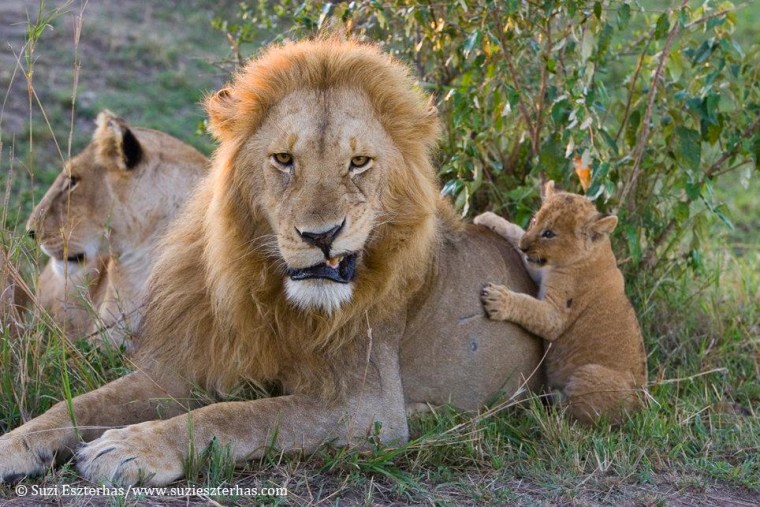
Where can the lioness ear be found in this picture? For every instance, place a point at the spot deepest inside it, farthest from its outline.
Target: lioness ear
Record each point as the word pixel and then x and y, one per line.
pixel 602 224
pixel 221 109
pixel 115 143
pixel 547 190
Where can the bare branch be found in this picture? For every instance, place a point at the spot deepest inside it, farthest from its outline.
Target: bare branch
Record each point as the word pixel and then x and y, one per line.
pixel 638 152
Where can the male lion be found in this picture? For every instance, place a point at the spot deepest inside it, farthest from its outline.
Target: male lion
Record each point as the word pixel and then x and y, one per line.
pixel 317 256
pixel 100 223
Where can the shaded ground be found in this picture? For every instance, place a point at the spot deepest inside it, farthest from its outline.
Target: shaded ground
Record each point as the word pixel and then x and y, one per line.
pixel 307 486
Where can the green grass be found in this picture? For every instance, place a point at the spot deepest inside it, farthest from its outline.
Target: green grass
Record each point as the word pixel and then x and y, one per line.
pixel 698 440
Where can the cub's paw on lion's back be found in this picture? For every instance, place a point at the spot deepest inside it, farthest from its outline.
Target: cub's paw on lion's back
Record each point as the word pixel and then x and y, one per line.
pixel 495 301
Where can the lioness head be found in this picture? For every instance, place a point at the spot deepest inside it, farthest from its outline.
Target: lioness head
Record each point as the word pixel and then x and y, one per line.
pixel 328 142
pixel 112 195
pixel 567 229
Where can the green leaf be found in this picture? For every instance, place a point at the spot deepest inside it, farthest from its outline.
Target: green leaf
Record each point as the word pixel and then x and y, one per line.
pixel 472 42
pixel 623 16
pixel 551 158
pixel 598 10
pixel 675 65
pixel 693 190
pixel 662 26
pixel 632 127
pixel 634 244
pixel 609 140
pixel 687 147
pixel 702 53
pixel 681 212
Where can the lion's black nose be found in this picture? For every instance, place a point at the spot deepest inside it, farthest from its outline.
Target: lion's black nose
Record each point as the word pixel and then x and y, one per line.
pixel 321 239
pixel 31 233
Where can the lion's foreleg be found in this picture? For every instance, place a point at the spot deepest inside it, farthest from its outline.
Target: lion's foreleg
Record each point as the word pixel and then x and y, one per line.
pixel 155 452
pixel 540 317
pixel 36 445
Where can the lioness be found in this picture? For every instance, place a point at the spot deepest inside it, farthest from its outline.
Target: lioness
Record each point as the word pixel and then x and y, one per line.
pixel 596 357
pixel 317 255
pixel 100 223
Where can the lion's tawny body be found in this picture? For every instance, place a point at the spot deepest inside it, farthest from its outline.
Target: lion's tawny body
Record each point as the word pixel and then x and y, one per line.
pixel 317 255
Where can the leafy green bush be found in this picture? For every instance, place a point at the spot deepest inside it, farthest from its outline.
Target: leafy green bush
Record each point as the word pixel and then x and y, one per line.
pixel 658 104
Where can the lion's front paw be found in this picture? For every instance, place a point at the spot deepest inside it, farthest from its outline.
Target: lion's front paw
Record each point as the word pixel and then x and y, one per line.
pixel 495 299
pixel 131 455
pixel 20 459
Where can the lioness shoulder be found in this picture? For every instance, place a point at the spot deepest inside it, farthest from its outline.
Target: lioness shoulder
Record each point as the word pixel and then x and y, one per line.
pixel 596 355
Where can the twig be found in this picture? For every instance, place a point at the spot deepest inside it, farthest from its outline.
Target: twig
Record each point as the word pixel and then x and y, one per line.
pixel 685 379
pixel 515 77
pixel 638 152
pixel 542 90
pixel 630 89
pixel 751 128
pixel 716 14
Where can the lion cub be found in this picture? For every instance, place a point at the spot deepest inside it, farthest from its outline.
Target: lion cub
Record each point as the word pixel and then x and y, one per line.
pixel 596 355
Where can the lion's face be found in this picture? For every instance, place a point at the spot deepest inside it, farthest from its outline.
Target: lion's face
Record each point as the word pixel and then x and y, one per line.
pixel 320 160
pixel 113 195
pixel 566 230
pixel 69 222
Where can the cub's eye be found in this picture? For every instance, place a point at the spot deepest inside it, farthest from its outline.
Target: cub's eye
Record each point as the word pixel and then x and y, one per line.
pixel 284 159
pixel 547 234
pixel 359 164
pixel 71 182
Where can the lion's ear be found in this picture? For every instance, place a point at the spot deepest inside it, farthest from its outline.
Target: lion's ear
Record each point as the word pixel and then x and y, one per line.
pixel 221 109
pixel 432 110
pixel 115 143
pixel 602 225
pixel 547 190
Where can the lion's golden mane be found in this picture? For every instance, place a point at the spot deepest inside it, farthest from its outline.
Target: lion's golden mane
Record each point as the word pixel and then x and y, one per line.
pixel 217 308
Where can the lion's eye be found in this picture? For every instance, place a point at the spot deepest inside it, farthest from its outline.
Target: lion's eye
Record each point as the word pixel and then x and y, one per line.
pixel 359 164
pixel 283 159
pixel 71 182
pixel 547 234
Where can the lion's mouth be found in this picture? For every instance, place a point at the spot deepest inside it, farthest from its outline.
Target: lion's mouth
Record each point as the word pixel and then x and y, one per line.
pixel 540 261
pixel 339 269
pixel 59 253
pixel 78 258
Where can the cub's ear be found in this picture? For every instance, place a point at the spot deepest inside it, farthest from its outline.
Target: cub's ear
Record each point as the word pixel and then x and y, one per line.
pixel 115 143
pixel 221 111
pixel 602 225
pixel 547 190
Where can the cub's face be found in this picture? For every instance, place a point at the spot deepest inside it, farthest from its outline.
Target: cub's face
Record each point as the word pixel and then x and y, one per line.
pixel 566 230
pixel 318 168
